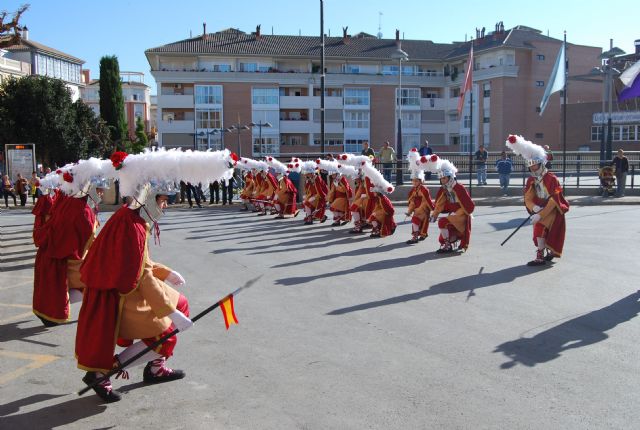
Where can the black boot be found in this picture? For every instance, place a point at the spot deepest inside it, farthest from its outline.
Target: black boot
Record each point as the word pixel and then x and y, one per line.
pixel 104 389
pixel 163 374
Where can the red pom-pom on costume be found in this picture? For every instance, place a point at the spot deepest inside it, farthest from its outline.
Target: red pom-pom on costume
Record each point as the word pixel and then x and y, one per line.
pixel 117 158
pixel 68 177
pixel 270 158
pixel 318 161
pixel 414 150
pixel 58 171
pixel 234 156
pixel 434 158
pixel 297 164
pixel 512 139
pixel 344 156
pixel 390 189
pixel 423 159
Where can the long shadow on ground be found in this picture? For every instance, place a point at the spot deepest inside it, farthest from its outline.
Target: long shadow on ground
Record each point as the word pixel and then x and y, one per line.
pixel 576 333
pixel 467 283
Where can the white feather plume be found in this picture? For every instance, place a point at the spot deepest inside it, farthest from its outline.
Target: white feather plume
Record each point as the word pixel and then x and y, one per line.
pixel 380 184
pixel 528 150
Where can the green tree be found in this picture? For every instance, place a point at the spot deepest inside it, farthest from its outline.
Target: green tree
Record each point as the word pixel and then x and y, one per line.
pixel 112 101
pixel 38 109
pixel 142 141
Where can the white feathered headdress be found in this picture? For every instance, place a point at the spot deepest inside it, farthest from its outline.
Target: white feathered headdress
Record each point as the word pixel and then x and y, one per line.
pixel 446 168
pixel 416 168
pixel 380 184
pixel 534 154
pixel 77 178
pixel 295 165
pixel 308 167
pixel 277 165
pixel 356 161
pixel 329 166
pixel 348 171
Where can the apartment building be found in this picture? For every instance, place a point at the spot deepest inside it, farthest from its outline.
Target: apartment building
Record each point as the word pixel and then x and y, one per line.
pixel 208 83
pixel 46 61
pixel 136 95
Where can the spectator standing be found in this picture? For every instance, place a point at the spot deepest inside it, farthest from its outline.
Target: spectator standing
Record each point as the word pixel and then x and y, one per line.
pixel 481 165
pixel 425 150
pixel 621 164
pixel 548 164
pixel 504 166
pixel 34 184
pixel 192 190
pixel 8 190
pixel 227 190
pixel 214 192
pixel 22 189
pixel 366 150
pixel 387 157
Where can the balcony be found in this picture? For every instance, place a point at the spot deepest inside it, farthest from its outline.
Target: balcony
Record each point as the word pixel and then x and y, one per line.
pixel 175 101
pixel 433 104
pixel 296 126
pixel 15 66
pixel 294 102
pixel 176 126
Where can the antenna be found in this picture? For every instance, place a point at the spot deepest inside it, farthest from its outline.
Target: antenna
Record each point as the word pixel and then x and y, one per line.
pixel 190 35
pixel 379 25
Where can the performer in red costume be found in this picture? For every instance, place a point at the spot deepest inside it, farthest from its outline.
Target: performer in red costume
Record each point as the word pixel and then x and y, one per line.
pixel 315 194
pixel 544 199
pixel 63 242
pixel 454 200
pixel 286 194
pixel 379 207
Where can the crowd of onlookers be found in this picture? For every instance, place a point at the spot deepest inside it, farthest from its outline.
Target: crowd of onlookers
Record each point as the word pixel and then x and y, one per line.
pixel 21 188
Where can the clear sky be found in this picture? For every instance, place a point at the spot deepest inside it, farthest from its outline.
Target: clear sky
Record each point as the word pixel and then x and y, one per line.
pixel 90 29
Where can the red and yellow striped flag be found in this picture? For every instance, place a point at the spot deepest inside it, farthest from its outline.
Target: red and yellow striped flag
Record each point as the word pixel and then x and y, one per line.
pixel 229 314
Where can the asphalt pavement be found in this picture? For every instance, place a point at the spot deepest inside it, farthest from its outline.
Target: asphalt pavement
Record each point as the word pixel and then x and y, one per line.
pixel 348 332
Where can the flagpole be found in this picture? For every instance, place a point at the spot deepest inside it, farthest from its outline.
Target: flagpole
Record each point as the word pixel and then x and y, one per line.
pixel 470 137
pixel 163 339
pixel 564 112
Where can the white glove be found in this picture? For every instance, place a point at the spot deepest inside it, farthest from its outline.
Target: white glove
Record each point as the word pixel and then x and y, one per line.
pixel 362 196
pixel 535 218
pixel 536 208
pixel 180 320
pixel 312 199
pixel 452 214
pixel 176 279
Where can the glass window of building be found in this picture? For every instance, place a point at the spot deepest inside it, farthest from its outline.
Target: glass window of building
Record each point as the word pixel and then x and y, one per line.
pixel 208 94
pixel 409 96
pixel 356 97
pixel 209 118
pixel 356 119
pixel 265 96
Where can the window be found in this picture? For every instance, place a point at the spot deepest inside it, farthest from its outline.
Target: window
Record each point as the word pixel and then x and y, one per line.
pixel 356 96
pixel 268 145
pixel 138 110
pixel 486 120
pixel 486 90
pixel 208 118
pixel 539 135
pixel 596 133
pixel 409 96
pixel 540 57
pixel 466 123
pixel 208 94
pixel 454 92
pixel 625 132
pixel 539 83
pixel 351 68
pixel 248 67
pixel 356 119
pixel 411 119
pixel 410 141
pixel 265 96
pixel 329 140
pixel 354 145
pixel 454 140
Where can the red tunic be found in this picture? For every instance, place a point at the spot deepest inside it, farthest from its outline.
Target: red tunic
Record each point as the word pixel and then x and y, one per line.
pixel 557 229
pixel 42 214
pixel 65 237
pixel 119 246
pixel 464 203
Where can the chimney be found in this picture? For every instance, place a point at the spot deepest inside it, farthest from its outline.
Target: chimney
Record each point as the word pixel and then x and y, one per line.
pixel 398 42
pixel 345 36
pixel 637 43
pixel 204 31
pixel 86 74
pixel 258 36
pixel 25 33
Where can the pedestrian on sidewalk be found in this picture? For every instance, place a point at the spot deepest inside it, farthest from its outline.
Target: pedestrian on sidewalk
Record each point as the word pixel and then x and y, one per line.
pixel 387 157
pixel 8 190
pixel 481 156
pixel 22 189
pixel 504 166
pixel 621 164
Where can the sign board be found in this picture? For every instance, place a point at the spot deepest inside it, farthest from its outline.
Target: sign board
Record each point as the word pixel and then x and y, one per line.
pixel 20 159
pixel 617 117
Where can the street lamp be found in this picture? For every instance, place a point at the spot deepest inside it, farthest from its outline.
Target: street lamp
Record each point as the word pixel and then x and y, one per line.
pixel 221 132
pixel 606 71
pixel 401 56
pixel 260 124
pixel 238 128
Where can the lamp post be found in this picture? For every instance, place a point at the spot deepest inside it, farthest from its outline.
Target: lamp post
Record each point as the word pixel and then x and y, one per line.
pixel 221 132
pixel 401 56
pixel 238 128
pixel 607 71
pixel 260 124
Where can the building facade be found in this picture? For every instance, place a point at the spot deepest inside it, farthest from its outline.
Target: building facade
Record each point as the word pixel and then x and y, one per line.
pixel 136 95
pixel 208 83
pixel 46 61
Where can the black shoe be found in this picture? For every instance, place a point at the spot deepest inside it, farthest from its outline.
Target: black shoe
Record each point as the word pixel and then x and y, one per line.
pixel 103 390
pixel 549 257
pixel 412 241
pixel 324 218
pixel 421 238
pixel 166 375
pixel 48 323
pixel 262 214
pixel 356 231
pixel 279 217
pixel 536 262
pixel 335 224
